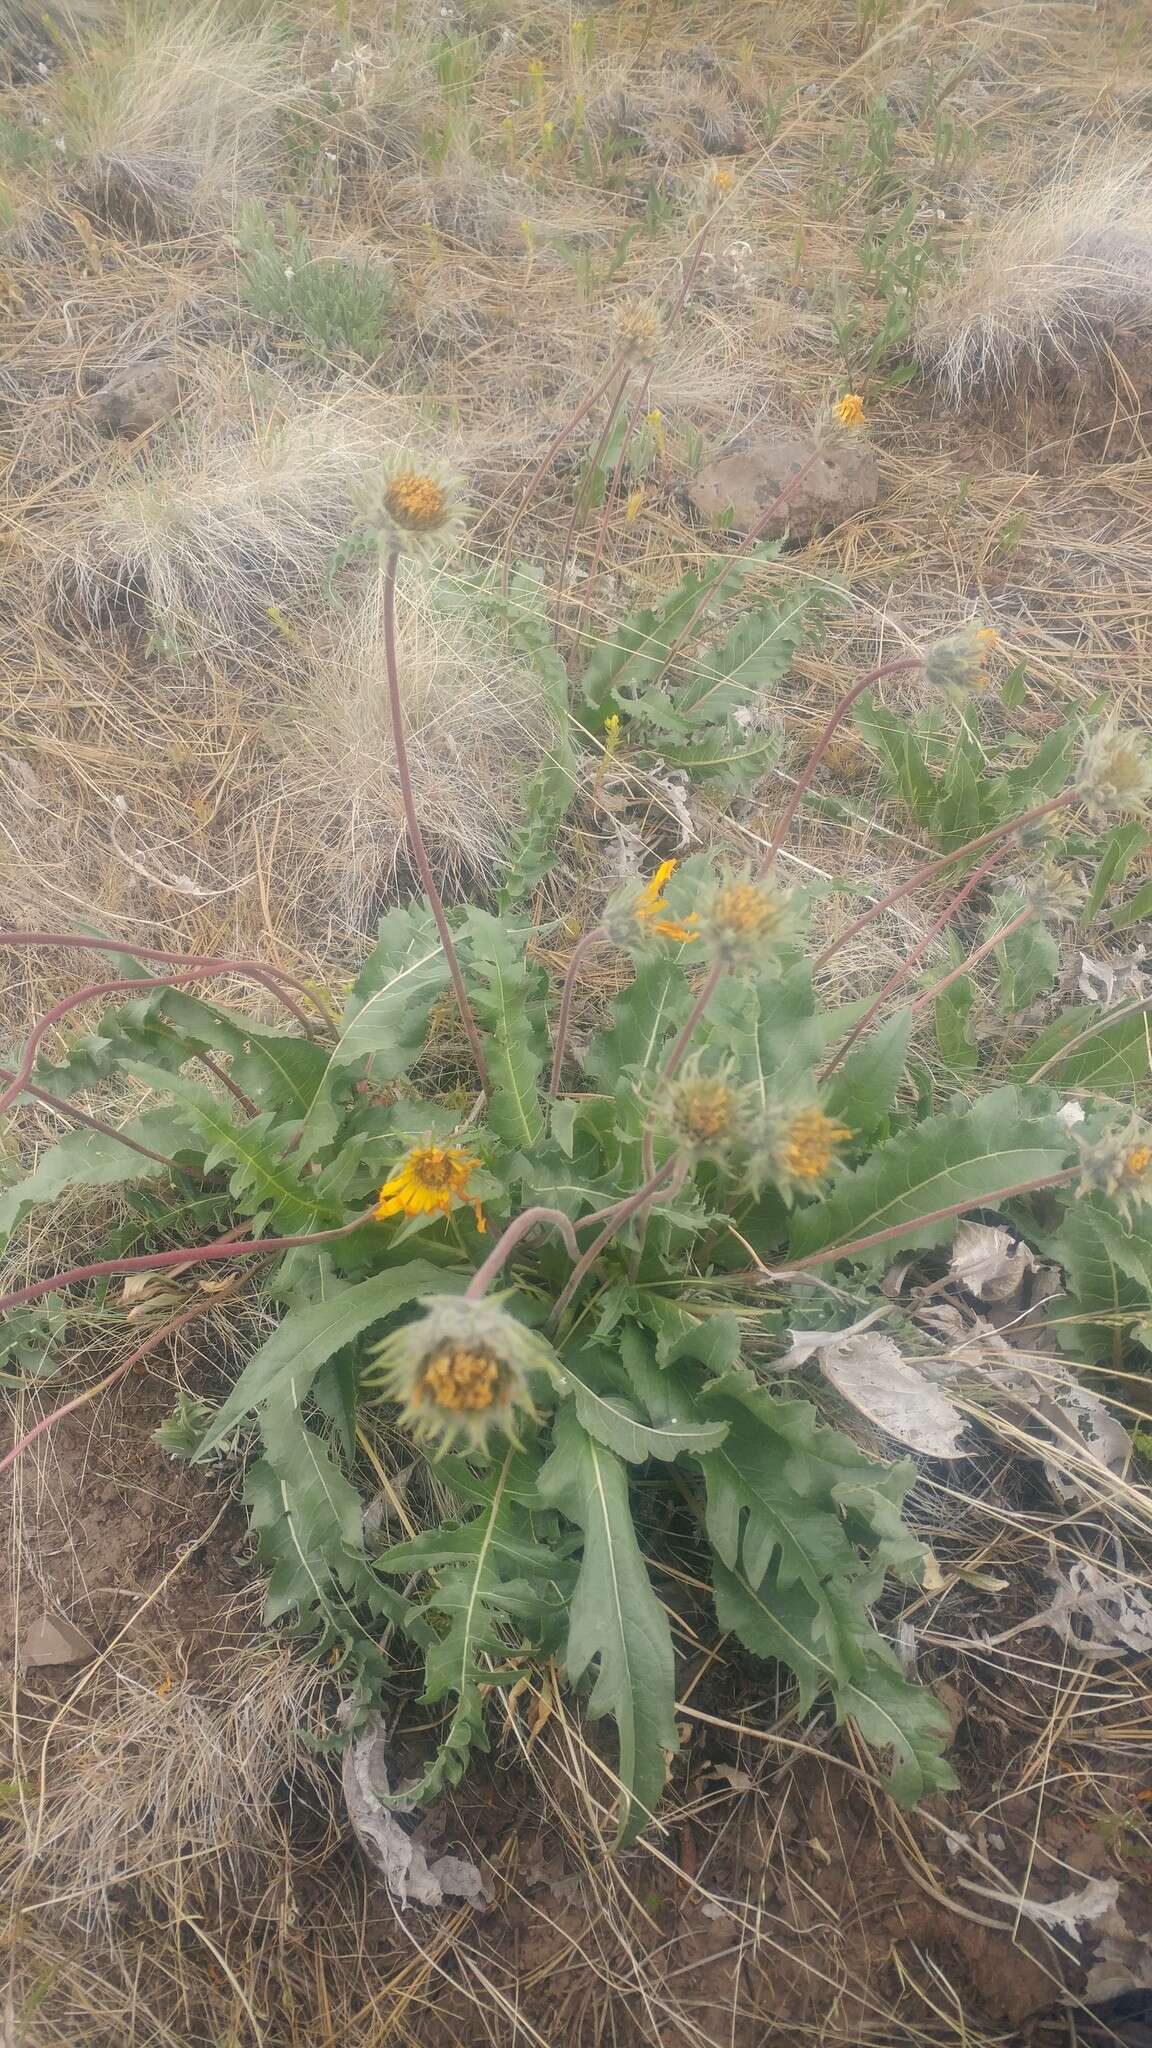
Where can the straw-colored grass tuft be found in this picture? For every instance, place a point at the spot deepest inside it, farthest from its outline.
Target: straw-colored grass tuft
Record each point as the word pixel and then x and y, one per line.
pixel 1056 282
pixel 177 125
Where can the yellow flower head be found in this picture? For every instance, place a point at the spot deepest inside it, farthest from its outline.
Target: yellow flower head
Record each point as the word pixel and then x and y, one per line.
pixel 747 919
pixel 797 1148
pixel 959 662
pixel 849 410
pixel 412 510
pixel 461 1371
pixel 722 180
pixel 1119 1165
pixel 429 1179
pixel 641 913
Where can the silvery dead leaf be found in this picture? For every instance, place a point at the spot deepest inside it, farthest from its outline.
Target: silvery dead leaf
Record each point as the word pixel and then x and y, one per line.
pixel 1070 1114
pixel 870 1373
pixel 806 1344
pixel 1123 1962
pixel 989 1262
pixel 1108 982
pixel 1092 1903
pixel 1118 1616
pixel 1093 1437
pixel 407 1872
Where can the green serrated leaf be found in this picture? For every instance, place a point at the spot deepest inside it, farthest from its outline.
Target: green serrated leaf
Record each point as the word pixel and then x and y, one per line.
pixel 791 1581
pixel 89 1159
pixel 263 1181
pixel 644 1017
pixel 507 994
pixel 1117 1058
pixel 863 1090
pixel 615 1619
pixel 619 1422
pixel 639 647
pixel 965 1155
pixel 490 1573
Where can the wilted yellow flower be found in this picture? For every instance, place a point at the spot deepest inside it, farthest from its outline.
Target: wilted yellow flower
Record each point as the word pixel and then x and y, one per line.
pixel 722 180
pixel 429 1179
pixel 412 510
pixel 644 910
pixel 958 662
pixel 1119 1165
pixel 632 508
pixel 849 410
pixel 746 920
pixel 796 1147
pixel 462 1371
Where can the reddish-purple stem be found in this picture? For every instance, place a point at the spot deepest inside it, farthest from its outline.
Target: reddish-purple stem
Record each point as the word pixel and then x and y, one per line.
pixel 252 970
pixel 616 1217
pixel 416 836
pixel 583 945
pixel 506 1243
pixel 840 713
pixel 936 867
pixel 95 1123
pixel 919 949
pixel 197 1255
pixel 875 1237
pixel 61 1009
pixel 1014 924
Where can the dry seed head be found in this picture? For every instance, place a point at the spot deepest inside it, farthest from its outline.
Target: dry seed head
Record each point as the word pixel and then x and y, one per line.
pixel 1054 894
pixel 958 663
pixel 412 510
pixel 1113 775
pixel 461 1372
pixel 1119 1165
pixel 747 921
pixel 639 331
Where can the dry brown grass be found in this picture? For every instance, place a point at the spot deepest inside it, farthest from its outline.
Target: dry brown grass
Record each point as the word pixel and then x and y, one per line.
pixel 184 700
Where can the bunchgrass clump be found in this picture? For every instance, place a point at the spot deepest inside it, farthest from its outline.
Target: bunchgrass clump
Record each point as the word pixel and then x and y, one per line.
pixel 178 123
pixel 342 305
pixel 1057 281
pixel 221 528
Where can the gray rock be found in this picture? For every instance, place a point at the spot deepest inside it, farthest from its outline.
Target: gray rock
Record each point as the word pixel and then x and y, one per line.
pixel 52 1640
pixel 137 399
pixel 756 468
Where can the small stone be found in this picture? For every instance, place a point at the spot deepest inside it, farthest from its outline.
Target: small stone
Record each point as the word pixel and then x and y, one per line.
pixel 755 468
pixel 137 400
pixel 52 1640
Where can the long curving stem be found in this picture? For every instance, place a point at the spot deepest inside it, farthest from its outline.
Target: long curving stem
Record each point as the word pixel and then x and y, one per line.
pixel 583 945
pixel 1006 931
pixel 839 714
pixel 946 860
pixel 506 1244
pixel 197 1255
pixel 253 970
pixel 616 1217
pixel 917 952
pixel 396 708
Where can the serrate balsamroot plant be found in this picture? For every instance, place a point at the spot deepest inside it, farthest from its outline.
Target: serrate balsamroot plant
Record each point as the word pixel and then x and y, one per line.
pixel 567 1293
